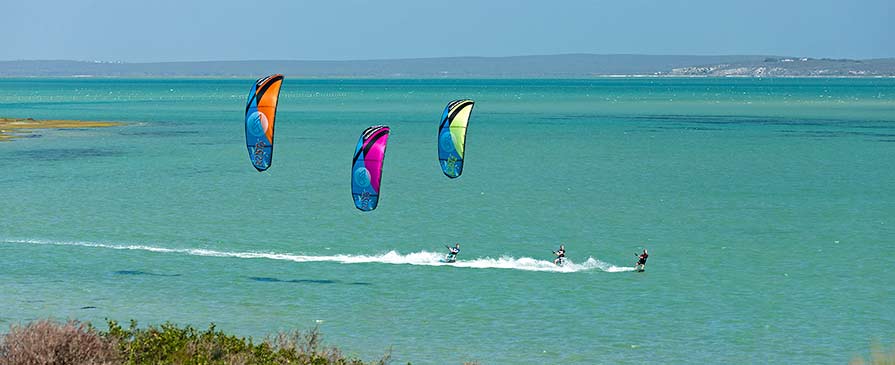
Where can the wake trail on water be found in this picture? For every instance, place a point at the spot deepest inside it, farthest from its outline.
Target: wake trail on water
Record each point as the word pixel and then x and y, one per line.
pixel 422 258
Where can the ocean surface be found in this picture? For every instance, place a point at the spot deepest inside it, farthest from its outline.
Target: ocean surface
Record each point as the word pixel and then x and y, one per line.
pixel 767 206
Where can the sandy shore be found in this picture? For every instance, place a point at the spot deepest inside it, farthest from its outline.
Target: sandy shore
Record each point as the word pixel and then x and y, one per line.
pixel 9 127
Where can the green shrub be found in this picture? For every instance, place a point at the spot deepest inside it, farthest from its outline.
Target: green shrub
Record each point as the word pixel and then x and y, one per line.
pixel 47 342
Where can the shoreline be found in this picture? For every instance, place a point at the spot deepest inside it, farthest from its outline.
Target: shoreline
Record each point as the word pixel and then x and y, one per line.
pixel 551 66
pixel 423 77
pixel 472 77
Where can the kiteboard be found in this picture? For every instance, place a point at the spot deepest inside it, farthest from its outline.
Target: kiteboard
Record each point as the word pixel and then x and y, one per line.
pixel 447 260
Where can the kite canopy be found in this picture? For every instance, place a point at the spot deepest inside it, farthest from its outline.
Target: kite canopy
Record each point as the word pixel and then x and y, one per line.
pixel 366 167
pixel 261 112
pixel 452 136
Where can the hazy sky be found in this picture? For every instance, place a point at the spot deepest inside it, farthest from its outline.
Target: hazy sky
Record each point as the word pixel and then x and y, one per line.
pixel 188 30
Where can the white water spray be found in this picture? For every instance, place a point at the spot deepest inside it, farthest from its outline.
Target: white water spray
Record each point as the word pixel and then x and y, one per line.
pixel 422 258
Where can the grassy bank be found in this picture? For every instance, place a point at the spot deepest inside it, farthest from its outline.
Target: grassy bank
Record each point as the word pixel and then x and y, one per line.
pixel 49 342
pixel 9 127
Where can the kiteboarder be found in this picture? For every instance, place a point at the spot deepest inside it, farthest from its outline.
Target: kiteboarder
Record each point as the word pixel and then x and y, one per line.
pixel 560 255
pixel 641 261
pixel 453 252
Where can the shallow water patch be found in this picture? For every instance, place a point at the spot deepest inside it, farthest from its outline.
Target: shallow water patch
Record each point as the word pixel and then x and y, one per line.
pixel 61 154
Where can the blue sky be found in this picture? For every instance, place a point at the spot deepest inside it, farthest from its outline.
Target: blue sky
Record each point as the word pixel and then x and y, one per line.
pixel 190 30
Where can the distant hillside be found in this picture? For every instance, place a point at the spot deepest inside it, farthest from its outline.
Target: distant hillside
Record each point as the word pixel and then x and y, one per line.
pixel 554 66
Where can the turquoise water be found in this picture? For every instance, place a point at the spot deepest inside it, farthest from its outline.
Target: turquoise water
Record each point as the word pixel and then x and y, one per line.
pixel 767 206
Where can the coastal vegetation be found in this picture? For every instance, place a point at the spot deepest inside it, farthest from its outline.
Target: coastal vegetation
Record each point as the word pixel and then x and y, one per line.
pixel 13 127
pixel 73 342
pixel 879 355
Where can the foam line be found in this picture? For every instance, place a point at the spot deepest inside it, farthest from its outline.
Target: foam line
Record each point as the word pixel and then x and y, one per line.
pixel 422 258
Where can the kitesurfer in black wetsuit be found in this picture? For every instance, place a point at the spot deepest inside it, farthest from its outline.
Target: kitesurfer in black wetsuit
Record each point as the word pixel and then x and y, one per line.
pixel 454 251
pixel 560 255
pixel 641 261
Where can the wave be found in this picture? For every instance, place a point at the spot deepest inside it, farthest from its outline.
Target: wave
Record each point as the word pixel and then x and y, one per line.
pixel 422 258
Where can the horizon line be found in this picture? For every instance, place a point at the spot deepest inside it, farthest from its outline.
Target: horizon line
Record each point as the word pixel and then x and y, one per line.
pixel 102 61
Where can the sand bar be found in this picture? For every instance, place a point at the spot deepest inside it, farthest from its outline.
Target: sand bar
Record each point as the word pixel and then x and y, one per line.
pixel 9 127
